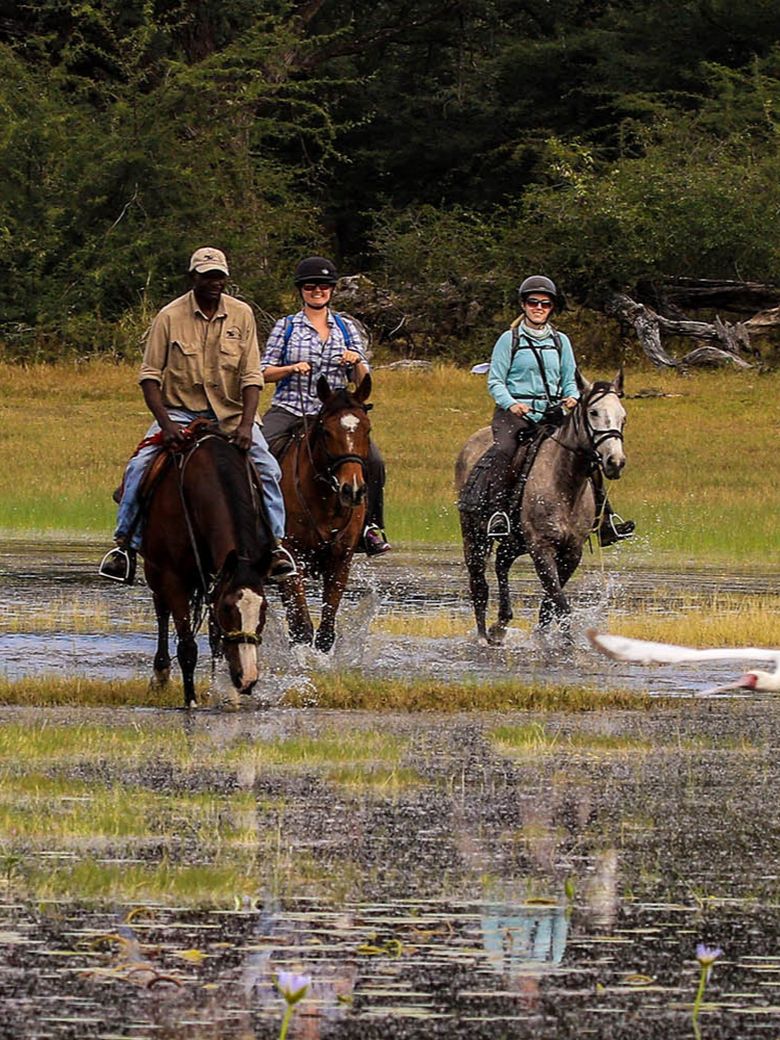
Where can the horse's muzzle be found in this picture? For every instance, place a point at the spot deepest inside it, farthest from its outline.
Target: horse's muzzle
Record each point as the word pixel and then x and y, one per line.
pixel 613 465
pixel 352 494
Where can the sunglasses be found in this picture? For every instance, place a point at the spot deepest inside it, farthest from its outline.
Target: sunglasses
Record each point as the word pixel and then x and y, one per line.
pixel 311 286
pixel 533 302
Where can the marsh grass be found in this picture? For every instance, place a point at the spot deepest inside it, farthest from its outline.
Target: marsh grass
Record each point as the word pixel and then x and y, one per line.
pixel 54 690
pixel 71 614
pixel 699 478
pixel 345 691
pixel 352 691
pixel 722 620
pixel 41 809
pixel 535 737
pixel 81 813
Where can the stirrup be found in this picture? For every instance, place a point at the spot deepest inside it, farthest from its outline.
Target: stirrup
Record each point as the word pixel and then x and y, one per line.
pixel 614 528
pixel 118 565
pixel 499 525
pixel 282 565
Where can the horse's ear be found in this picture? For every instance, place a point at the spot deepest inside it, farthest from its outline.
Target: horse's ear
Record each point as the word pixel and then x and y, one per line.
pixel 617 382
pixel 364 389
pixel 582 383
pixel 323 389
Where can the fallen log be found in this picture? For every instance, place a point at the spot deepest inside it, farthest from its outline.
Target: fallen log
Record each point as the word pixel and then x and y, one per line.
pixel 726 343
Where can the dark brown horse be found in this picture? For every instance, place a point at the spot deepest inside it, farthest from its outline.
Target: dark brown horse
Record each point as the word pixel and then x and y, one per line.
pixel 324 488
pixel 557 509
pixel 206 548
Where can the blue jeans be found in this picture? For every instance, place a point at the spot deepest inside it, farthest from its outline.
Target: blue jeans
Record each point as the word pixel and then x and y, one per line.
pixel 267 468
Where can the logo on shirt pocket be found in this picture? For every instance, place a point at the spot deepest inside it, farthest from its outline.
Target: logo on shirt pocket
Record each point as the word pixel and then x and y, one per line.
pixel 233 333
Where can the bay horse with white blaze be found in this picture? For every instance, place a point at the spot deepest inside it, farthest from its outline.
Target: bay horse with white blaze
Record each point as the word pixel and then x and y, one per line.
pixel 207 547
pixel 554 505
pixel 325 492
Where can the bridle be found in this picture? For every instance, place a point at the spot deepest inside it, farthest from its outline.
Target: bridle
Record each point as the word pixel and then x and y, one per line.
pixel 595 438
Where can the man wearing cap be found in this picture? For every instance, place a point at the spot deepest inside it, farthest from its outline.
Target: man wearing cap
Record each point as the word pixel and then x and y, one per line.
pixel 201 361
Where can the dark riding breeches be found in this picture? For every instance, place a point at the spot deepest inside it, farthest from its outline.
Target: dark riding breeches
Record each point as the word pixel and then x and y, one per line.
pixel 278 426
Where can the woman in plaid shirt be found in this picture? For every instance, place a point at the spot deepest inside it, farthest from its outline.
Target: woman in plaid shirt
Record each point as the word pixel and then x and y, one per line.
pixel 304 346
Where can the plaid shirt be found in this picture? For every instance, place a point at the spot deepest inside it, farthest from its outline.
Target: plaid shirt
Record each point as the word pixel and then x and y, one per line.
pixel 298 393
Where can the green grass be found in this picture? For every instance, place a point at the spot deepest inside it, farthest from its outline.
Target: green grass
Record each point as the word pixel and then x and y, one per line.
pixel 699 478
pixel 343 691
pixel 535 737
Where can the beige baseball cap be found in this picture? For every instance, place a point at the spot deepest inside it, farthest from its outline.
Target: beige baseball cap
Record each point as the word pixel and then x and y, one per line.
pixel 208 259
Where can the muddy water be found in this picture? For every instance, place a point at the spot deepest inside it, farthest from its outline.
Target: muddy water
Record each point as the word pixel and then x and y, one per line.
pixel 558 893
pixel 56 616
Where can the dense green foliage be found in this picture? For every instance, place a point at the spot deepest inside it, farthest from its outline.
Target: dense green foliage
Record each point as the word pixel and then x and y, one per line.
pixel 447 147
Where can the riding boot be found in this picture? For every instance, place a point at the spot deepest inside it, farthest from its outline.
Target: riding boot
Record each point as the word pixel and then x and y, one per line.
pixel 499 525
pixel 119 563
pixel 375 541
pixel 610 526
pixel 282 565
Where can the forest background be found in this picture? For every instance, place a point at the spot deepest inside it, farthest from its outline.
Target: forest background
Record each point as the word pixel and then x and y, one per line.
pixel 445 149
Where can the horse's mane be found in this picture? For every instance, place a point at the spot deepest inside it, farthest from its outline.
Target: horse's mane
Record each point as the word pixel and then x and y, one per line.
pixel 233 477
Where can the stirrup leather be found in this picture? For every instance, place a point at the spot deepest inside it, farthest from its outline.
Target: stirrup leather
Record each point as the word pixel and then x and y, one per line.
pixel 499 525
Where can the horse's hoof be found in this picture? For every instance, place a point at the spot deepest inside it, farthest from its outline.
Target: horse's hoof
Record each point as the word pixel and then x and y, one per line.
pixel 496 635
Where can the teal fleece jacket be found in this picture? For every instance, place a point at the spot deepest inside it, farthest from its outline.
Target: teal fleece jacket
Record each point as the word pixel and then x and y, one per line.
pixel 519 379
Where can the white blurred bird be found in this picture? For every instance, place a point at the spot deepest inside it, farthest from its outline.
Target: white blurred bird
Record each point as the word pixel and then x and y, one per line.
pixel 643 652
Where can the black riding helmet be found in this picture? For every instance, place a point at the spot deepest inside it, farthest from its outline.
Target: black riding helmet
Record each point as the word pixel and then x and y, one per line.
pixel 539 283
pixel 316 269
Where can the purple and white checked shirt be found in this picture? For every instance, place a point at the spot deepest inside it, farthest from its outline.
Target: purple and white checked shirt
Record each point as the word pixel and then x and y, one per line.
pixel 298 393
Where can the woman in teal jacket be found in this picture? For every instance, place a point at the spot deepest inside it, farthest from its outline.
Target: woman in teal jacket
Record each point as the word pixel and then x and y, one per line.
pixel 532 379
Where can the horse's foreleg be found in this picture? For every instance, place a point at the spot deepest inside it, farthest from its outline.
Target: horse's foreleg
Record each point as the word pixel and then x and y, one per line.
pixel 504 561
pixel 475 549
pixel 162 659
pixel 555 606
pixel 298 619
pixel 186 652
pixel 334 581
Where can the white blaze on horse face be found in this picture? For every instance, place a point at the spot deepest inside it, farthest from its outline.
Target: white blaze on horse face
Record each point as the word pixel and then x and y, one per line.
pixel 249 605
pixel 350 424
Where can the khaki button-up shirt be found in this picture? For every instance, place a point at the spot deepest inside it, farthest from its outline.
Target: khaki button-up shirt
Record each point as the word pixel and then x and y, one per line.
pixel 201 363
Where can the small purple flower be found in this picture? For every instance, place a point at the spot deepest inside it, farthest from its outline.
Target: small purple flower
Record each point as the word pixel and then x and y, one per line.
pixel 707 955
pixel 292 987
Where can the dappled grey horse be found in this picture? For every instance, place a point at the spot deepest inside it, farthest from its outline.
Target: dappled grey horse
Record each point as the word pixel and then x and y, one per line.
pixel 556 510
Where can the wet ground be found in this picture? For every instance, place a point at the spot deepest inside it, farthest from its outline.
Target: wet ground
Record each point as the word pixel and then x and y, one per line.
pixel 549 889
pixel 99 630
pixel 510 875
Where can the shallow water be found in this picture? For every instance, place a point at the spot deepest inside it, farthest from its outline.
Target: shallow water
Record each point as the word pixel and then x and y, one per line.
pixel 554 892
pixel 556 887
pixel 57 616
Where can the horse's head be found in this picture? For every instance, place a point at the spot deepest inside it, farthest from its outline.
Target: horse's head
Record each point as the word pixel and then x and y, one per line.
pixel 238 614
pixel 601 421
pixel 342 430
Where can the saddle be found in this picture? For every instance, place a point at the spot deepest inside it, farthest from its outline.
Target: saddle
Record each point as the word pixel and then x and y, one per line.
pixel 193 432
pixel 496 482
pixel 279 445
